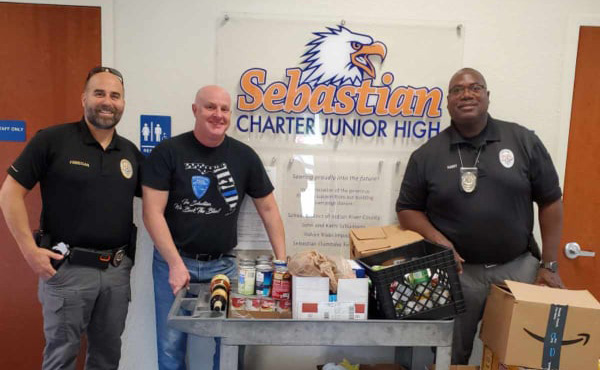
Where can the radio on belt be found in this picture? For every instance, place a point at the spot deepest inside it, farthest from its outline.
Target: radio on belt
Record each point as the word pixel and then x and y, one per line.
pixel 63 249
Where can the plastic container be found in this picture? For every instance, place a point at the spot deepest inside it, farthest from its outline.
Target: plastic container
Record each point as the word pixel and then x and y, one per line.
pixel 420 281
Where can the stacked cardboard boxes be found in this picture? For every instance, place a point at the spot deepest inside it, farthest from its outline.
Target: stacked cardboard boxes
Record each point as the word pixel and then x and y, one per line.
pixel 367 241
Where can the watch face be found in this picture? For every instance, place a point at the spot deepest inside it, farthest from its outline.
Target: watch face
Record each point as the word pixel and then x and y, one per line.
pixel 552 266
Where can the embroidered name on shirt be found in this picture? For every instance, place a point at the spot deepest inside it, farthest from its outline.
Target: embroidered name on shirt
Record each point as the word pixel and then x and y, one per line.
pixel 449 167
pixel 79 163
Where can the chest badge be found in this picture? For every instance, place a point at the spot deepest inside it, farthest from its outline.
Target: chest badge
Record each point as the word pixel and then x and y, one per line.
pixel 126 168
pixel 507 158
pixel 200 185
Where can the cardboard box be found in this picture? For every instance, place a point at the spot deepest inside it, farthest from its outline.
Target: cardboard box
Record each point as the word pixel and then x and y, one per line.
pixel 310 299
pixel 375 367
pixel 490 361
pixel 539 327
pixel 371 240
pixel 256 307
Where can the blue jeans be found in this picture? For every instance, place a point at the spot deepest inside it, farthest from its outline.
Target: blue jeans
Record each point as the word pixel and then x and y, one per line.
pixel 171 344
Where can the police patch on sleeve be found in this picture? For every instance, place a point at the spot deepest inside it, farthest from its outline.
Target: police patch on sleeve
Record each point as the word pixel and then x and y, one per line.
pixel 507 158
pixel 126 168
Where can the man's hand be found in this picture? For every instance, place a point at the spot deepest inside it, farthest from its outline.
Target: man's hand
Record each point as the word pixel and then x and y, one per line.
pixel 457 258
pixel 179 277
pixel 548 278
pixel 39 261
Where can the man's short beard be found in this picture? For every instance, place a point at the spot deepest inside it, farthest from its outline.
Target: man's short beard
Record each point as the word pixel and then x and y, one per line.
pixel 101 123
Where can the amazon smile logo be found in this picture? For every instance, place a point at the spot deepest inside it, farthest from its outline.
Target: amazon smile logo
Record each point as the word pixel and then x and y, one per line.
pixel 583 337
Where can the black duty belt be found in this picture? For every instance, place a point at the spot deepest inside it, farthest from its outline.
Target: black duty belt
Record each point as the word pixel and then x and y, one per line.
pixel 97 258
pixel 203 256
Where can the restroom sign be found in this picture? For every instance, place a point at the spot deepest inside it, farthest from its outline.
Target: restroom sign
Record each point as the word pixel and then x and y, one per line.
pixel 153 130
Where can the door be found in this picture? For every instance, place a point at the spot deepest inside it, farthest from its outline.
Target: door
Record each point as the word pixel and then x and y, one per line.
pixel 45 55
pixel 582 175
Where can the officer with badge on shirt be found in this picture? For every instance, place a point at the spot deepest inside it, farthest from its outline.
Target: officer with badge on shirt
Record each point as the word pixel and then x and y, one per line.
pixel 472 188
pixel 88 177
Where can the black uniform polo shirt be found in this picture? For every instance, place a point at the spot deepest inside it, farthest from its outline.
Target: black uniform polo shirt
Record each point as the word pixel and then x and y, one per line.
pixel 87 192
pixel 494 223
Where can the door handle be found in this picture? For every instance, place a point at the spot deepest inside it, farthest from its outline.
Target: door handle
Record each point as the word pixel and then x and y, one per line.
pixel 573 250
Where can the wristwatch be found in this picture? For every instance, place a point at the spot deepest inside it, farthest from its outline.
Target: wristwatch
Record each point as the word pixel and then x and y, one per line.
pixel 552 266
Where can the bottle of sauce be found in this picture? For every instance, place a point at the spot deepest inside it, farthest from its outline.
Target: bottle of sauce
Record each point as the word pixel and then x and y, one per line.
pixel 219 292
pixel 218 300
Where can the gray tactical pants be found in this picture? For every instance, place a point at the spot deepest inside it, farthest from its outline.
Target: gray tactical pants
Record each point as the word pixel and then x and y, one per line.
pixel 79 300
pixel 475 282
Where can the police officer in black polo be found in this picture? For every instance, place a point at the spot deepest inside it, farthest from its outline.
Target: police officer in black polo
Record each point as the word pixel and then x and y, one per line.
pixel 88 177
pixel 472 188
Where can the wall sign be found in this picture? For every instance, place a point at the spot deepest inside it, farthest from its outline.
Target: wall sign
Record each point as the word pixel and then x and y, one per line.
pixel 153 130
pixel 12 130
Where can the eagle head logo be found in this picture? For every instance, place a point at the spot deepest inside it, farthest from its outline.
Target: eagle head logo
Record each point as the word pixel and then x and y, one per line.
pixel 340 57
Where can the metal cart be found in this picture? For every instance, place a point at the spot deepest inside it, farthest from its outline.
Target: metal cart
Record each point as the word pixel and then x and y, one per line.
pixel 197 319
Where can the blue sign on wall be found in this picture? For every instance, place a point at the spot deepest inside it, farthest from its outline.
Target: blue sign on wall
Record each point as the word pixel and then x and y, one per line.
pixel 153 130
pixel 12 130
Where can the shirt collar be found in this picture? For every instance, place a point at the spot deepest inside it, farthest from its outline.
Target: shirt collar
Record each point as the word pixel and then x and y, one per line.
pixel 88 139
pixel 490 133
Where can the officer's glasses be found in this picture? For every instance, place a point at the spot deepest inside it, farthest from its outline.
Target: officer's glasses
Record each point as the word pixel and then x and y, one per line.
pixel 459 90
pixel 100 69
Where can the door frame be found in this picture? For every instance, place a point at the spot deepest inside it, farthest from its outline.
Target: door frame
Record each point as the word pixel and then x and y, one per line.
pixel 568 79
pixel 106 22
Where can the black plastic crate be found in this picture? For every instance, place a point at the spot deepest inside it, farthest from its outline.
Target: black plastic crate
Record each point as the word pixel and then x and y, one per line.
pixel 422 284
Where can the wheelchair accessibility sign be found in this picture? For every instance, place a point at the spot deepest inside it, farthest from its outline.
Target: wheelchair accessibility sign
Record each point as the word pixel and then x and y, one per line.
pixel 153 130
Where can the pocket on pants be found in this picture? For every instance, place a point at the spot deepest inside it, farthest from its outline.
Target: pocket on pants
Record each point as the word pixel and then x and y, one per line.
pixel 53 310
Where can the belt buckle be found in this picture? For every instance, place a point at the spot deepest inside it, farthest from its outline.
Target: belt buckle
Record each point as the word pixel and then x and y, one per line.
pixel 118 257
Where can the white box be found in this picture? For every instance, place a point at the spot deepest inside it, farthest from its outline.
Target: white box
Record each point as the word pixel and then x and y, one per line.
pixel 308 289
pixel 356 292
pixel 332 311
pixel 310 299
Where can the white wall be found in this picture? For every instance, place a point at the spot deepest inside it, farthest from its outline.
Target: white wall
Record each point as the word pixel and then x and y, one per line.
pixel 166 50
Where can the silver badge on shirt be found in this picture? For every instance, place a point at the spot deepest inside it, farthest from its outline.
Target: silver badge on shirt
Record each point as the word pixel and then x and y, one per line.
pixel 468 179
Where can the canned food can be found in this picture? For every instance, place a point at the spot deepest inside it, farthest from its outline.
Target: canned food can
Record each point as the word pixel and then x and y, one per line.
pixel 246 278
pixel 417 277
pixel 238 302
pixel 264 279
pixel 283 305
pixel 253 303
pixel 279 263
pixel 264 258
pixel 267 304
pixel 281 283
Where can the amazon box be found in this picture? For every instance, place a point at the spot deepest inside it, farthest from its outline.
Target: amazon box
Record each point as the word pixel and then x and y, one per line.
pixel 371 240
pixel 490 361
pixel 542 328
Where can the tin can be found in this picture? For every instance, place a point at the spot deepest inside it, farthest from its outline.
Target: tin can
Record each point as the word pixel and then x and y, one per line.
pixel 264 279
pixel 267 304
pixel 279 263
pixel 281 283
pixel 283 305
pixel 238 302
pixel 253 303
pixel 264 258
pixel 418 277
pixel 246 277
